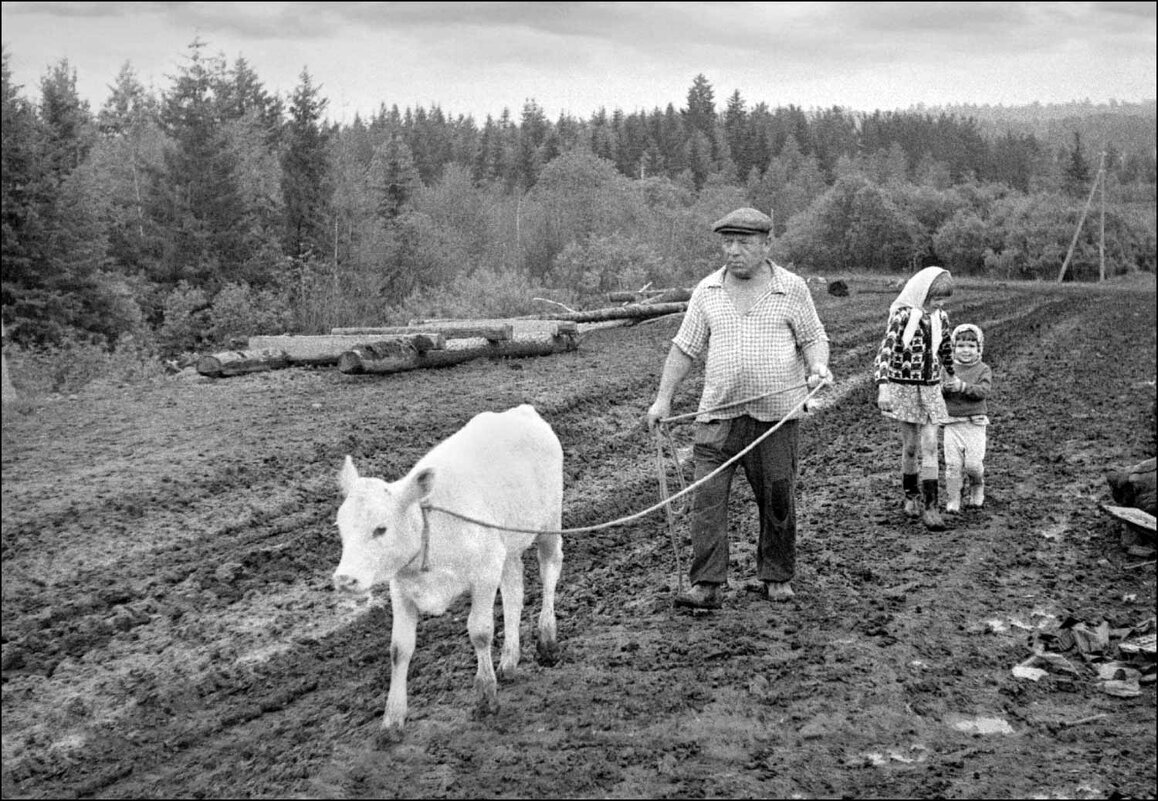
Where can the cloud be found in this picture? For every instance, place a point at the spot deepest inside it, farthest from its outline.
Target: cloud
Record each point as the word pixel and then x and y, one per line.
pixel 478 58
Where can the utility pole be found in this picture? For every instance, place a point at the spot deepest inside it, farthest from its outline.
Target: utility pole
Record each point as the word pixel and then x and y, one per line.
pixel 1102 228
pixel 1098 179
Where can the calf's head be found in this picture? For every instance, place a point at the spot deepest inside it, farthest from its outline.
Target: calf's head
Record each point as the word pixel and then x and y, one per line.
pixel 381 527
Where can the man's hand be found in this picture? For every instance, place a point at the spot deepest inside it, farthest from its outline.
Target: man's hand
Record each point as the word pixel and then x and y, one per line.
pixel 884 398
pixel 819 375
pixel 658 411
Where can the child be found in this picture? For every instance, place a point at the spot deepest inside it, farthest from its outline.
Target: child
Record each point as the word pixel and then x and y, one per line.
pixel 965 434
pixel 910 365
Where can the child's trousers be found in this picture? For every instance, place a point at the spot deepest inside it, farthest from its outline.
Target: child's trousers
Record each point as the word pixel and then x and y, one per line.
pixel 964 446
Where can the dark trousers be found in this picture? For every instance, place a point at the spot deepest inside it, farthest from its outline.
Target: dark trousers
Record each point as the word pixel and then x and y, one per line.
pixel 771 471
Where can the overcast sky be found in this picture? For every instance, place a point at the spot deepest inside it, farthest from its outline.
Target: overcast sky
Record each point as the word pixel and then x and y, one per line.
pixel 477 58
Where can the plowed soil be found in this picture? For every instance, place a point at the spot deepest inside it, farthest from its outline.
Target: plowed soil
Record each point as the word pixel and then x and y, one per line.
pixel 169 629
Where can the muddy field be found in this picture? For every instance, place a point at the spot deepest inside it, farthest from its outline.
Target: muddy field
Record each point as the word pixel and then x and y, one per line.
pixel 169 629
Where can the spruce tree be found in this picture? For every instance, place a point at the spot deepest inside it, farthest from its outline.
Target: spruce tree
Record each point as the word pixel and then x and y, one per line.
pixel 305 173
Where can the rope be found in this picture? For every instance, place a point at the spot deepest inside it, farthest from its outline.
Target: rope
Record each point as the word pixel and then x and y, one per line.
pixel 733 403
pixel 650 509
pixel 668 511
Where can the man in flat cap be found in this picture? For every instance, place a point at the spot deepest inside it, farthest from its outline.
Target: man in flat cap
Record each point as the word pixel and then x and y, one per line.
pixel 755 324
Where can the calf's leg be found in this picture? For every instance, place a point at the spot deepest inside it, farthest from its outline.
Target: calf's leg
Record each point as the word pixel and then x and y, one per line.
pixel 480 624
pixel 512 592
pixel 402 637
pixel 550 551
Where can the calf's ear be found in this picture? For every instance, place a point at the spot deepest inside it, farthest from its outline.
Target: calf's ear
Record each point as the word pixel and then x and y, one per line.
pixel 418 486
pixel 425 480
pixel 347 476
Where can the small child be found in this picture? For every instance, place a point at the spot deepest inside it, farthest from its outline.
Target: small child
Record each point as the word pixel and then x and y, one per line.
pixel 914 359
pixel 965 433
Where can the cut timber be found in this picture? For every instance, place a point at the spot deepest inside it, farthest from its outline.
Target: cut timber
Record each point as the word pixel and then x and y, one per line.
pixel 671 295
pixel 395 360
pixel 521 327
pixel 636 311
pixel 327 349
pixel 240 362
pixel 1135 518
pixel 491 333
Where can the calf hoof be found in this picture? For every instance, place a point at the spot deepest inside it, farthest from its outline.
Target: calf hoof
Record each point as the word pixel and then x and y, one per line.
pixel 506 672
pixel 388 736
pixel 547 653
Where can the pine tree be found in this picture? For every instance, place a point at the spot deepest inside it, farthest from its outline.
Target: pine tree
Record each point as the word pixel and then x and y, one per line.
pixel 22 237
pixel 736 132
pixel 67 120
pixel 197 199
pixel 700 114
pixel 1077 169
pixel 305 173
pixel 393 178
pixel 130 146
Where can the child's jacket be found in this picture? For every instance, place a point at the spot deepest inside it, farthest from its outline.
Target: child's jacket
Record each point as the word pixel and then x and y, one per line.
pixel 913 364
pixel 970 401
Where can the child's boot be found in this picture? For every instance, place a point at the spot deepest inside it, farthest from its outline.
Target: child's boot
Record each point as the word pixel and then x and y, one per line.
pixel 953 494
pixel 912 495
pixel 977 492
pixel 930 516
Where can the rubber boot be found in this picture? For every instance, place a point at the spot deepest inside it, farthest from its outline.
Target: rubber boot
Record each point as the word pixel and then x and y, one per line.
pixel 952 494
pixel 931 517
pixel 977 493
pixel 912 494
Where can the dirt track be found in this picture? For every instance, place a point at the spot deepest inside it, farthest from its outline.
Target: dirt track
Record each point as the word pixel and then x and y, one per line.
pixel 169 628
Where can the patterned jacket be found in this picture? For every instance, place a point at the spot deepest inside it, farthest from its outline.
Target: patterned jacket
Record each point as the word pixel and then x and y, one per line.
pixel 913 365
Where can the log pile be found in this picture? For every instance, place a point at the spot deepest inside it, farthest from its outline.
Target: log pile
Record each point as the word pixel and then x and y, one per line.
pixel 499 332
pixel 431 343
pixel 241 362
pixel 396 349
pixel 633 311
pixel 326 349
pixel 399 358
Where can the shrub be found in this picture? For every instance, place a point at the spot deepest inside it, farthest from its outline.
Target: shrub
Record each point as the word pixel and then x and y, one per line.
pixel 604 263
pixel 185 322
pixel 239 311
pixel 73 365
pixel 482 294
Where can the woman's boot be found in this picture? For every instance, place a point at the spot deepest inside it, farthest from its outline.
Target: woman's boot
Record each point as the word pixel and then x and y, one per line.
pixel 912 495
pixel 930 516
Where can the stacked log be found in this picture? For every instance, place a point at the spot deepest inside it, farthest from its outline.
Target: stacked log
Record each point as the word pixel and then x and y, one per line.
pixel 672 295
pixel 392 349
pixel 240 362
pixel 325 350
pixel 396 359
pixel 491 333
pixel 634 311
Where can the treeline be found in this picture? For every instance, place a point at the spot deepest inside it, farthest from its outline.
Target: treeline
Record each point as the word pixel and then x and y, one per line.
pixel 218 209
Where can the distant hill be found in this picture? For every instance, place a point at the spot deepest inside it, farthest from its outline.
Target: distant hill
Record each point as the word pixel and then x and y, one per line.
pixel 1127 127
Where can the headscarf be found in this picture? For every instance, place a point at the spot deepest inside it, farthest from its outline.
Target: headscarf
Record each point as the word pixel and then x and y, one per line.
pixel 976 332
pixel 914 296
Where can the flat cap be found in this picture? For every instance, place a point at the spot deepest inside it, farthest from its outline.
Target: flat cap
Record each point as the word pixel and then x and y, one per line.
pixel 743 221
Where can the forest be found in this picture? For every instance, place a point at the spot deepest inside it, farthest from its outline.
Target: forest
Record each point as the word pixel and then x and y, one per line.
pixel 169 223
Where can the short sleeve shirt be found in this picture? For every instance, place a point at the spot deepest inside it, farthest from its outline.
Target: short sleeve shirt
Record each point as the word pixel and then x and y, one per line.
pixel 752 354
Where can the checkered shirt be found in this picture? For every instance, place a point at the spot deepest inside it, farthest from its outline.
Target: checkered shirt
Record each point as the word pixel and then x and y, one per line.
pixel 761 351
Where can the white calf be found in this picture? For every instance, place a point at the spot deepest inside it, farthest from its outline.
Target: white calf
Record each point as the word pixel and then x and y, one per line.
pixel 505 469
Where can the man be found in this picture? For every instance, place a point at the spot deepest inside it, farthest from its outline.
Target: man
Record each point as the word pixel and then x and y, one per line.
pixel 763 341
